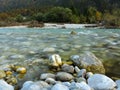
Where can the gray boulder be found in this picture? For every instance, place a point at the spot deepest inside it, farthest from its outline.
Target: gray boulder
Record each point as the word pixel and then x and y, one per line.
pixel 101 82
pixel 59 87
pixel 89 62
pixel 63 76
pixel 5 86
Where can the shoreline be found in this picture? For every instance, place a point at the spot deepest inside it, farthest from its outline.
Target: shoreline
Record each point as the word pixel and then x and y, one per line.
pixel 55 25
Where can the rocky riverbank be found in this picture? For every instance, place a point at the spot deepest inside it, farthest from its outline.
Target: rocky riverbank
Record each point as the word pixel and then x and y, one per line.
pixel 83 72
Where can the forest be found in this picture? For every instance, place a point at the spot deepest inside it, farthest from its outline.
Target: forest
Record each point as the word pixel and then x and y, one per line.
pixel 105 12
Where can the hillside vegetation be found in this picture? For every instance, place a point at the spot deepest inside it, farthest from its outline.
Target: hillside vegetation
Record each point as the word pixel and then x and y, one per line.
pixel 61 11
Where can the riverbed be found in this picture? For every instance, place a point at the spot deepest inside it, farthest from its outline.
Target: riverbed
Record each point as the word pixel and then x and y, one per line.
pixel 20 44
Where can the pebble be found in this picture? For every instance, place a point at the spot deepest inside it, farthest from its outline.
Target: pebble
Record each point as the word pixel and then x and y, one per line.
pixel 50 81
pixel 101 82
pixel 89 74
pixel 77 70
pixel 47 75
pixel 68 68
pixel 82 73
pixel 21 70
pixel 64 76
pixel 55 60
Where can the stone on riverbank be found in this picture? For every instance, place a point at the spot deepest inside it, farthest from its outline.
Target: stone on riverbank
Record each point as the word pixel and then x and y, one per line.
pixel 47 75
pixel 89 62
pixel 59 87
pixel 55 60
pixel 64 76
pixel 5 86
pixel 68 68
pixel 101 82
pixel 80 86
pixel 39 85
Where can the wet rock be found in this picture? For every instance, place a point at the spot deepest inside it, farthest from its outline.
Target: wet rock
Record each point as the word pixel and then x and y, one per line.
pixel 47 75
pixel 49 50
pixel 75 59
pixel 77 70
pixel 55 60
pixel 59 87
pixel 2 74
pixel 82 73
pixel 50 81
pixel 5 86
pixel 89 62
pixel 68 68
pixel 21 70
pixel 64 76
pixel 80 86
pixel 101 82
pixel 73 33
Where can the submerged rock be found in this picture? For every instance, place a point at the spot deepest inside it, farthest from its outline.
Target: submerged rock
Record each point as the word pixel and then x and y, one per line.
pixel 89 62
pixel 5 86
pixel 101 82
pixel 2 74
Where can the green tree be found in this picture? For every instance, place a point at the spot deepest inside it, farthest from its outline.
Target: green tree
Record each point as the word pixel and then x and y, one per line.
pixel 59 14
pixel 19 18
pixel 91 13
pixel 38 17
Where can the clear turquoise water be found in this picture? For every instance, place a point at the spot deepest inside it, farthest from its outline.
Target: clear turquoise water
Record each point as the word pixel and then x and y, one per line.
pixel 17 44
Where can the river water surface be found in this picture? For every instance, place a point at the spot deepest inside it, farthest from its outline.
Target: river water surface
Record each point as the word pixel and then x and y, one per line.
pixel 19 44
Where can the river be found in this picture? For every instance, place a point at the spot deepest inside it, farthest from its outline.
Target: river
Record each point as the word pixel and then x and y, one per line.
pixel 19 44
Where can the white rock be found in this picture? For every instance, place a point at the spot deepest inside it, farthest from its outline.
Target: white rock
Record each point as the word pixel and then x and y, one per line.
pixel 77 70
pixel 5 86
pixel 101 82
pixel 47 75
pixel 59 87
pixel 55 60
pixel 50 81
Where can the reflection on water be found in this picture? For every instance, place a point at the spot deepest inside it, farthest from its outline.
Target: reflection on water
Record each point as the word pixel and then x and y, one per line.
pixel 19 44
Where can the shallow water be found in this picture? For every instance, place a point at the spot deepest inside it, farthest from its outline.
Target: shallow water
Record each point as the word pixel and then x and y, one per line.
pixel 20 44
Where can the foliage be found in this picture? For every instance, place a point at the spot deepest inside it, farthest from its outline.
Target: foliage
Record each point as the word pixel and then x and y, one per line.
pixel 59 14
pixel 19 18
